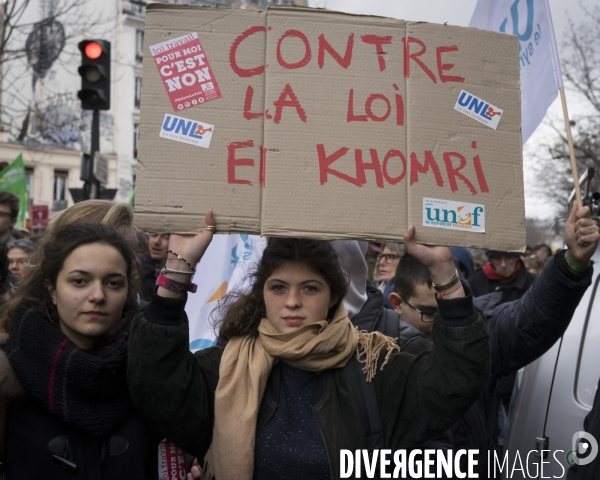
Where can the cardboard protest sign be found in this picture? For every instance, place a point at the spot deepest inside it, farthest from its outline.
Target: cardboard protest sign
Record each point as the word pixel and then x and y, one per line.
pixel 328 125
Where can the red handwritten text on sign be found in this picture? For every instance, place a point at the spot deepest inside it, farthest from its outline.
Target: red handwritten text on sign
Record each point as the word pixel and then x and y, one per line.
pixel 378 167
pixel 185 71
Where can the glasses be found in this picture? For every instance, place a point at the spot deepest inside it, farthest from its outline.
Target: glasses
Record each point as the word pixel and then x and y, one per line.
pixel 387 258
pixel 430 314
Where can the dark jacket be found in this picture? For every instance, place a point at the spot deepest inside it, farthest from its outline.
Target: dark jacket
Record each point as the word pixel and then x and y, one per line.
pixel 372 316
pixel 481 285
pixel 520 332
pixel 31 429
pixel 175 389
pixel 591 425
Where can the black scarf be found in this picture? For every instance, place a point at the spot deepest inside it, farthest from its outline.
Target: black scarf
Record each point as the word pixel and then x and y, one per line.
pixel 87 389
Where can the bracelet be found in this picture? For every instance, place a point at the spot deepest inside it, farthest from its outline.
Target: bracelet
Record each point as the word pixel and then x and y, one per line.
pixel 174 286
pixel 181 258
pixel 166 270
pixel 573 266
pixel 440 295
pixel 444 286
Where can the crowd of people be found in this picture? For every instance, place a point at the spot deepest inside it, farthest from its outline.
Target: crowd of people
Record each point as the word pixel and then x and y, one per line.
pixel 334 345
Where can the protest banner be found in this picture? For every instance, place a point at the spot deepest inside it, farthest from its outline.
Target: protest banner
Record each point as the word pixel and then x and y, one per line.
pixel 311 123
pixel 541 77
pixel 229 259
pixel 13 180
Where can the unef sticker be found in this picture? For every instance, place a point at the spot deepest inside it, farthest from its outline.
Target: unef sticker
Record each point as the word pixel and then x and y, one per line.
pixel 478 109
pixel 186 131
pixel 462 216
pixel 185 71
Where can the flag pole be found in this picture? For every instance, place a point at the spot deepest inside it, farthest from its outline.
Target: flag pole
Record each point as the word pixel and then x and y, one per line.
pixel 563 100
pixel 571 149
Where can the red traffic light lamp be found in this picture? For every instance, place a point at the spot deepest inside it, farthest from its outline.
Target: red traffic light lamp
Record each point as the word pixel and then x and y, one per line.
pixel 93 50
pixel 95 75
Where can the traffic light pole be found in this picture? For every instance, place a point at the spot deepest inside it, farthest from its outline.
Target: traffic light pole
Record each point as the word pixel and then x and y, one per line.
pixel 91 188
pixel 95 96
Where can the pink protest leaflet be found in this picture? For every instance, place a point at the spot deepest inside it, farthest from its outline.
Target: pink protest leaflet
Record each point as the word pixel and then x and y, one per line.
pixel 185 71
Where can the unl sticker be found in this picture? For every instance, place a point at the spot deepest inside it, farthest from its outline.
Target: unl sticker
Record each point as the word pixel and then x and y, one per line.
pixel 462 216
pixel 478 109
pixel 186 131
pixel 185 71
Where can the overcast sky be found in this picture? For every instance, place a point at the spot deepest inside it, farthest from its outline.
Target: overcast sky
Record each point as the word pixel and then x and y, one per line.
pixel 459 12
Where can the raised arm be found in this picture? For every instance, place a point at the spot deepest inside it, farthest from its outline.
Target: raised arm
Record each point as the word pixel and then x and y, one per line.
pixel 523 330
pixel 170 386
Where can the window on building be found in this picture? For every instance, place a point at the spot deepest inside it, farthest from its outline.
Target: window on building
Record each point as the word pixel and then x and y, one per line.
pixel 136 132
pixel 138 91
pixel 60 189
pixel 139 45
pixel 29 179
pixel 29 185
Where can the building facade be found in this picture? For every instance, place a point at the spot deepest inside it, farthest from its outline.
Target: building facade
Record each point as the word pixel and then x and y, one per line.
pixel 40 114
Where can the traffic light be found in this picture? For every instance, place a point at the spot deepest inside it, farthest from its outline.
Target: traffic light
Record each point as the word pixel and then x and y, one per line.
pixel 95 75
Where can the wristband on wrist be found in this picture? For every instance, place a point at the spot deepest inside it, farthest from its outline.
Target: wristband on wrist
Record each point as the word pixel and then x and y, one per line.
pixel 174 286
pixel 573 266
pixel 440 295
pixel 179 257
pixel 166 270
pixel 445 286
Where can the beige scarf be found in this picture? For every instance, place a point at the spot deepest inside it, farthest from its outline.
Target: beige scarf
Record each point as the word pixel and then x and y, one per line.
pixel 246 365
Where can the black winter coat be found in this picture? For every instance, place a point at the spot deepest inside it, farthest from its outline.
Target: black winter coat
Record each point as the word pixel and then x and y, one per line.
pixel 520 332
pixel 175 389
pixel 372 317
pixel 130 452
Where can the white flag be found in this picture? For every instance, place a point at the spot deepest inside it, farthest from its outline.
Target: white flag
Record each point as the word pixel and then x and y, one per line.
pixel 541 76
pixel 213 276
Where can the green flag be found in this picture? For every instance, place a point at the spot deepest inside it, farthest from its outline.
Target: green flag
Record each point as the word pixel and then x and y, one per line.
pixel 13 180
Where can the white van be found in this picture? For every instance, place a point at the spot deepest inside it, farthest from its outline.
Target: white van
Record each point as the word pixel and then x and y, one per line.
pixel 555 393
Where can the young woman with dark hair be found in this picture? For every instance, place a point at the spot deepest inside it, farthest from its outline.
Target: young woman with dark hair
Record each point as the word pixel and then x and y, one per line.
pixel 276 401
pixel 242 314
pixel 63 364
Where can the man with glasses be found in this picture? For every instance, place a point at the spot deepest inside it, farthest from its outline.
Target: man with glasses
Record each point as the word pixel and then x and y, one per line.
pixel 504 272
pixel 414 298
pixel 9 210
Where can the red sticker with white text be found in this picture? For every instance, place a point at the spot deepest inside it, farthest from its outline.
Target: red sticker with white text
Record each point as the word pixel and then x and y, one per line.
pixel 185 71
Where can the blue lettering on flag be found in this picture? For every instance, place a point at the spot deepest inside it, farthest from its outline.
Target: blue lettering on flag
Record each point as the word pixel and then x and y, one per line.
pixel 235 258
pixel 202 343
